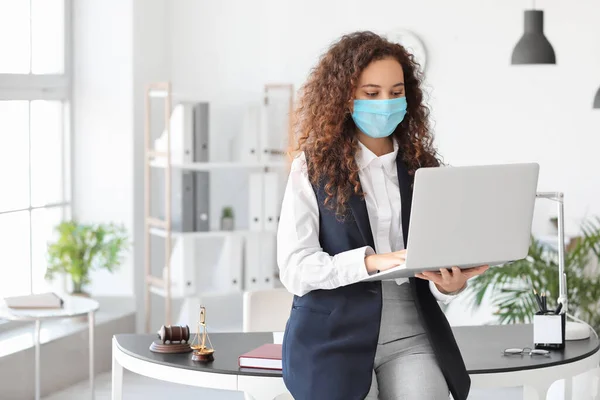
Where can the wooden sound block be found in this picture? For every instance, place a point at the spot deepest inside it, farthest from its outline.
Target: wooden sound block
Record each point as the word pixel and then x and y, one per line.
pixel 158 347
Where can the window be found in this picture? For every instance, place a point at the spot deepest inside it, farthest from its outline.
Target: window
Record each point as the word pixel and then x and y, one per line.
pixel 34 137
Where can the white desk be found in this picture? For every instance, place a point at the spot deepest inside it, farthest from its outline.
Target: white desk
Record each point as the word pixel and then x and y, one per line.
pixel 481 347
pixel 74 306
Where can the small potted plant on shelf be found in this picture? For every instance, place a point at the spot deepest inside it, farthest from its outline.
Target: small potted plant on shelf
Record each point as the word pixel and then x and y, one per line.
pixel 227 221
pixel 81 248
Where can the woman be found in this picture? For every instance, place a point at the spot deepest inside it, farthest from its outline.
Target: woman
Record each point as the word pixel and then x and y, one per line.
pixel 363 131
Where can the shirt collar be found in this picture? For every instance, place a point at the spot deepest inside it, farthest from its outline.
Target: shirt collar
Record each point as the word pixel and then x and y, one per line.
pixel 365 157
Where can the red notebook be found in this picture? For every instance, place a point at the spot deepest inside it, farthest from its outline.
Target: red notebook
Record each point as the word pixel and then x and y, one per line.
pixel 267 356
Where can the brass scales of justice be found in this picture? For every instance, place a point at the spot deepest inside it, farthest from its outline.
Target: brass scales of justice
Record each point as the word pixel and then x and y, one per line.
pixel 200 351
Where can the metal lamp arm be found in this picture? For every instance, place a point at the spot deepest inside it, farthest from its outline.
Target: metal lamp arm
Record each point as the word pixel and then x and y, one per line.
pixel 558 197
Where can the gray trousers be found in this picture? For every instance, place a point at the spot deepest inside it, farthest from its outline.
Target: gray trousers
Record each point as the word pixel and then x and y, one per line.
pixel 405 367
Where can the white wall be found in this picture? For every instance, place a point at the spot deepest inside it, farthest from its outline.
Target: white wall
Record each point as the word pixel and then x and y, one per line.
pixel 224 52
pixel 120 46
pixel 484 109
pixel 150 64
pixel 103 125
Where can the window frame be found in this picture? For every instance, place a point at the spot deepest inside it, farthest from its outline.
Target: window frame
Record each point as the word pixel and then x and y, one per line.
pixel 57 87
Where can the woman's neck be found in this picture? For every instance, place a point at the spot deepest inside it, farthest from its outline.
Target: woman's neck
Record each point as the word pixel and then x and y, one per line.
pixel 379 146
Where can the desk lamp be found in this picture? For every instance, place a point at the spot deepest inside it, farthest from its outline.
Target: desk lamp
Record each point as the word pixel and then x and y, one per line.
pixel 573 330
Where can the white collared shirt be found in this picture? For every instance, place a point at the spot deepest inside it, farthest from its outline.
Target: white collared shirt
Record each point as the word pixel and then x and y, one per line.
pixel 303 265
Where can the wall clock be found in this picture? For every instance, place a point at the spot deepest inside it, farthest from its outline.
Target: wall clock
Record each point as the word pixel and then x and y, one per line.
pixel 412 43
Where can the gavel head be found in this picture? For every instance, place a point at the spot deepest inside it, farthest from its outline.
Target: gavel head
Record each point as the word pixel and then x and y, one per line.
pixel 171 334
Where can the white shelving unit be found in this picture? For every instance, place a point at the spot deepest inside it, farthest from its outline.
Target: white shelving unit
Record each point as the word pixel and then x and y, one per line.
pixel 204 234
pixel 161 286
pixel 213 166
pixel 162 90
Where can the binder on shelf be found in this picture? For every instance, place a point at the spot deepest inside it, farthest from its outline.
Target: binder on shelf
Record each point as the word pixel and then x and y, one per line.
pixel 271 201
pixel 255 202
pixel 252 263
pixel 200 265
pixel 190 189
pixel 249 136
pixel 264 144
pixel 181 127
pixel 202 178
pixel 202 201
pixel 274 126
pixel 183 191
pixel 182 201
pixel 260 261
pixel 183 271
pixel 201 129
pixel 268 260
pixel 230 265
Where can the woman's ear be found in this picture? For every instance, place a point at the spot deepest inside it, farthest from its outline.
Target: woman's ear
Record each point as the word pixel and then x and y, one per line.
pixel 350 106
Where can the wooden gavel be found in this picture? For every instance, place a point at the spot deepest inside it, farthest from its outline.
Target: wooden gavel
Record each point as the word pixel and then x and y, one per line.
pixel 171 334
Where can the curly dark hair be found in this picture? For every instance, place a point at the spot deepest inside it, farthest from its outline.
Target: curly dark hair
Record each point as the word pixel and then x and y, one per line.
pixel 325 128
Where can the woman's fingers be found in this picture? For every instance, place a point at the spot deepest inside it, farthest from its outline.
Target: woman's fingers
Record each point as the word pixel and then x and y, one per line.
pixel 401 253
pixel 400 256
pixel 431 276
pixel 471 272
pixel 446 276
pixel 457 274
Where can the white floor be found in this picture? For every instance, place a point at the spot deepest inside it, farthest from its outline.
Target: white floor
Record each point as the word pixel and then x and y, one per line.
pixel 136 387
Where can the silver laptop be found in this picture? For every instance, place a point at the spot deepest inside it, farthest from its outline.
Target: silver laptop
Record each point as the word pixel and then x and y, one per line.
pixel 468 216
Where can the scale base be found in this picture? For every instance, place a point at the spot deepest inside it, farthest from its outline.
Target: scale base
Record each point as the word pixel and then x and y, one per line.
pixel 202 357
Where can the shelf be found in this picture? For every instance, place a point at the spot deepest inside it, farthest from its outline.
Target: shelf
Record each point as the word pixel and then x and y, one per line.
pixel 159 291
pixel 156 222
pixel 205 234
pixel 211 166
pixel 163 293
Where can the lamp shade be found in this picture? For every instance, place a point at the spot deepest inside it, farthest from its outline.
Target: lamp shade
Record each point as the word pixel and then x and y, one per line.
pixel 533 47
pixel 597 99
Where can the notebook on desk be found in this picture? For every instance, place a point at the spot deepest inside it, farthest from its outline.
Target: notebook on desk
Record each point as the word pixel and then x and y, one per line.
pixel 267 356
pixel 34 301
pixel 468 216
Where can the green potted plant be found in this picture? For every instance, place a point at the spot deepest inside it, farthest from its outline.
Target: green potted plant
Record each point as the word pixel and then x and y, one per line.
pixel 510 288
pixel 227 221
pixel 81 248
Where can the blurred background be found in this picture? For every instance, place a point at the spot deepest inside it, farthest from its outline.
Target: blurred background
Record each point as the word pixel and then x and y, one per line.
pixel 92 92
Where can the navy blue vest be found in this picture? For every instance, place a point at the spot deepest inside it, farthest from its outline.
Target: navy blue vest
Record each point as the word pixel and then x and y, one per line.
pixel 331 335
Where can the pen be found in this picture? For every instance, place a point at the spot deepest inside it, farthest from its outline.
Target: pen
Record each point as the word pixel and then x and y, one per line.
pixel 539 301
pixel 544 309
pixel 558 308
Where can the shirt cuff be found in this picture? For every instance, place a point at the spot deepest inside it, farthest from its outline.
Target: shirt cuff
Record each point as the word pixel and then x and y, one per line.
pixel 351 265
pixel 444 298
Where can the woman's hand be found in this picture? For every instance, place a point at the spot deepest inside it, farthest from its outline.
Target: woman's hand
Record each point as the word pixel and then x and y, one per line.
pixel 385 261
pixel 452 281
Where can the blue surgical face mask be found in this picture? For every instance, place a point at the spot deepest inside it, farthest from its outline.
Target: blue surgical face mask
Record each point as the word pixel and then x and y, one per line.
pixel 379 118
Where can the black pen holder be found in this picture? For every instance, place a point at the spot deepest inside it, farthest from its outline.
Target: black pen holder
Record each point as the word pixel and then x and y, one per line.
pixel 549 331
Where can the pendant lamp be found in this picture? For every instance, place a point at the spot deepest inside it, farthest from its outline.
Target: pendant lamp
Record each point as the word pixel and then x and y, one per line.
pixel 597 99
pixel 533 47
